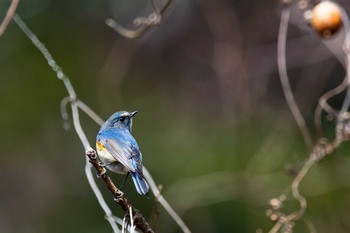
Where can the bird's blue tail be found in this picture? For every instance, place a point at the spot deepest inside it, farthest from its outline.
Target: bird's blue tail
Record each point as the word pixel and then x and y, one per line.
pixel 140 184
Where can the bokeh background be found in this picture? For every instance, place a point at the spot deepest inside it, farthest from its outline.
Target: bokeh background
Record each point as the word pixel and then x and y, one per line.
pixel 213 124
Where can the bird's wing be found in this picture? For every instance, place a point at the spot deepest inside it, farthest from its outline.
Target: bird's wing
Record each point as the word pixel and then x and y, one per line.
pixel 121 151
pixel 136 159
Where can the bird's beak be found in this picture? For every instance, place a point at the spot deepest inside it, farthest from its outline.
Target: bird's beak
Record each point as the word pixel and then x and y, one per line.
pixel 133 113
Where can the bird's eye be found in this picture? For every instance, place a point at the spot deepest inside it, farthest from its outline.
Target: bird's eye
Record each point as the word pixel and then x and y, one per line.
pixel 122 119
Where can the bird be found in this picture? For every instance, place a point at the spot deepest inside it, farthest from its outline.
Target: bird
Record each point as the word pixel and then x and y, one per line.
pixel 119 151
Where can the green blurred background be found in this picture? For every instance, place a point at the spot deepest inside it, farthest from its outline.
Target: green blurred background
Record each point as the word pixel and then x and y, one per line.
pixel 213 124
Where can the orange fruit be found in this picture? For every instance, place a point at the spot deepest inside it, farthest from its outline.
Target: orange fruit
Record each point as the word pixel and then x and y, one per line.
pixel 326 18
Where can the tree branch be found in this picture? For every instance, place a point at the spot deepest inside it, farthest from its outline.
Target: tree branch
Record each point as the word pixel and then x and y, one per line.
pixel 143 23
pixel 124 203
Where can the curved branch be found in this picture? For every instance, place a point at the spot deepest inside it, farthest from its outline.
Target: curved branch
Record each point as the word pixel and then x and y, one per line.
pixel 131 34
pixel 143 23
pixel 323 105
pixel 282 37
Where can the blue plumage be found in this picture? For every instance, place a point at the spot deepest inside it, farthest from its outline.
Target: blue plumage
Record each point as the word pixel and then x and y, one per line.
pixel 119 151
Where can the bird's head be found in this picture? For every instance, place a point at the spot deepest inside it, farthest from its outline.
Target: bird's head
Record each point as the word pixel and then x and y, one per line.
pixel 120 120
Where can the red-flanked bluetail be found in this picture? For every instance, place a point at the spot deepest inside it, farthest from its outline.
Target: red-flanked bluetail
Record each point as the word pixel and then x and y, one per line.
pixel 119 151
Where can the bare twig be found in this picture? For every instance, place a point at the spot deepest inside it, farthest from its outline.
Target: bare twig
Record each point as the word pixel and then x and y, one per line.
pixel 131 34
pixel 9 14
pixel 143 23
pixel 282 37
pixel 320 150
pixel 138 219
pixel 323 105
pixel 295 190
pixel 346 49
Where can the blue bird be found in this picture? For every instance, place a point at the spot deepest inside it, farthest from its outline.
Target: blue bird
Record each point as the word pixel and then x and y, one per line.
pixel 118 150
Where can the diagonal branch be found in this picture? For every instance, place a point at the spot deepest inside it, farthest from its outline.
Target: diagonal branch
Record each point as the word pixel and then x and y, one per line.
pixel 9 15
pixel 138 219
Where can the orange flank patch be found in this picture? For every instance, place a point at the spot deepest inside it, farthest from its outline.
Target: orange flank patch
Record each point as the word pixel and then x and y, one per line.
pixel 100 147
